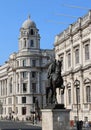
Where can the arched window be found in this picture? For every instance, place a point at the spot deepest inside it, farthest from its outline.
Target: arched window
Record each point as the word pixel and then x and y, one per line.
pixel 32 32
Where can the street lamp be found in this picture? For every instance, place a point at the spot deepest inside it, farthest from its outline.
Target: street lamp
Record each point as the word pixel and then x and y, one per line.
pixel 77 84
pixel 33 103
pixel 1 108
pixel 78 123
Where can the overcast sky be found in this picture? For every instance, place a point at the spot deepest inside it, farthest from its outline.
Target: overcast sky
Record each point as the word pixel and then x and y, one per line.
pixel 50 16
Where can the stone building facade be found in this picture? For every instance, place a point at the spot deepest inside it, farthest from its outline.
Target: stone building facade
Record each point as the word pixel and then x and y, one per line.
pixel 73 47
pixel 23 77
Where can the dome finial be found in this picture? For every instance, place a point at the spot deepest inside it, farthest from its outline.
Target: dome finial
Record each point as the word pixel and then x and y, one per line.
pixel 29 16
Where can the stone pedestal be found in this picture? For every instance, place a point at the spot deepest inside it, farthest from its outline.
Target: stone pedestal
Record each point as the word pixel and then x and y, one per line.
pixel 55 119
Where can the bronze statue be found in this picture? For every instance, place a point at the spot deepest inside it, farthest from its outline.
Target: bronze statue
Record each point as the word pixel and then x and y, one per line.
pixel 55 80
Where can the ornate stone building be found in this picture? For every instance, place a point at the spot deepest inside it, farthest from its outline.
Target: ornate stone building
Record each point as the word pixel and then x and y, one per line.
pixel 23 77
pixel 73 47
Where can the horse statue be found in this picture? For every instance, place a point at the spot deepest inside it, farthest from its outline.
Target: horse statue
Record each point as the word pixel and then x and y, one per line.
pixel 55 80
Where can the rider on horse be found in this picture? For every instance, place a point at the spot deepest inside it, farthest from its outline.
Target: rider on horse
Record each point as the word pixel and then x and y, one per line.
pixel 55 80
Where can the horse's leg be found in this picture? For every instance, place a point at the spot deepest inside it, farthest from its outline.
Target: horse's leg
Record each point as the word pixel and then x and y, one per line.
pixel 54 93
pixel 47 93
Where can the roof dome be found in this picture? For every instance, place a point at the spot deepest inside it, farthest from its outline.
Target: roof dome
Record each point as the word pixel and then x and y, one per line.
pixel 28 23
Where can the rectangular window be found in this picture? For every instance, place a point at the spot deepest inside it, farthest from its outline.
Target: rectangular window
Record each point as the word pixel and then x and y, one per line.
pixel 31 43
pixel 33 63
pixel 24 87
pixel 87 52
pixel 69 96
pixel 24 74
pixel 23 110
pixel 76 56
pixel 24 62
pixel 23 99
pixel 78 94
pixel 88 95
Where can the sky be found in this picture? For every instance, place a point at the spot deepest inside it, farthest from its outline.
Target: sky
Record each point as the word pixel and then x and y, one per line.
pixel 51 18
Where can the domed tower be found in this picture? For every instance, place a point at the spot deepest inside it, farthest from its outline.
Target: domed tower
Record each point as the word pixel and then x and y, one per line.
pixel 29 37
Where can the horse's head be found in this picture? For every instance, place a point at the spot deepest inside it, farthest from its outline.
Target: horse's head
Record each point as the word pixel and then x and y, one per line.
pixel 58 65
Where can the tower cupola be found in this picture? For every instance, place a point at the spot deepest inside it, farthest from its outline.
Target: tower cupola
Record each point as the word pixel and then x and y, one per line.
pixel 29 37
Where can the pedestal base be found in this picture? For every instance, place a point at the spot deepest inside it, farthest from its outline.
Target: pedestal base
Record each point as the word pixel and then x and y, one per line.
pixel 55 119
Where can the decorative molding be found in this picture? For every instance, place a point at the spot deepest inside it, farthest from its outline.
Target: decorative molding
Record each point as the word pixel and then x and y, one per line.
pixel 87 80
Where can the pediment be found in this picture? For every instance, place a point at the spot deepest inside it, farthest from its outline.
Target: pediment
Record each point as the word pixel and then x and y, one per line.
pixel 87 80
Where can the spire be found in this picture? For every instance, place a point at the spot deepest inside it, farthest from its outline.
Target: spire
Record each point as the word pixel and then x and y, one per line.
pixel 29 16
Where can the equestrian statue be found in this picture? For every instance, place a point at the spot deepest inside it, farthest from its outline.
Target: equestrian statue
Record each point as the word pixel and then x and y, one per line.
pixel 55 80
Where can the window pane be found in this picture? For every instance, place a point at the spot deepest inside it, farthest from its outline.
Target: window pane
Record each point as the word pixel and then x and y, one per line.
pixel 33 63
pixel 24 87
pixel 24 62
pixel 31 43
pixel 23 99
pixel 23 110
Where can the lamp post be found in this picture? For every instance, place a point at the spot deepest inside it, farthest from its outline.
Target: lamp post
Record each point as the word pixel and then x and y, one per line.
pixel 77 84
pixel 33 100
pixel 1 108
